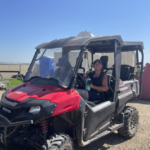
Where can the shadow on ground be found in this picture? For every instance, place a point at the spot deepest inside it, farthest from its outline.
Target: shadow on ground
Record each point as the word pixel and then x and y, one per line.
pixel 104 143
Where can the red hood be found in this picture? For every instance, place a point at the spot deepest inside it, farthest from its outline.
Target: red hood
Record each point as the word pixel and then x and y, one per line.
pixel 67 100
pixel 28 90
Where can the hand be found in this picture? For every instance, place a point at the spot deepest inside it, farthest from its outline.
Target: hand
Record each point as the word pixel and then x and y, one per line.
pixel 84 74
pixel 90 85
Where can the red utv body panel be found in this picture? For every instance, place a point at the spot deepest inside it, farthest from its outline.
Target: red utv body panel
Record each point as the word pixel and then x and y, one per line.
pixel 67 100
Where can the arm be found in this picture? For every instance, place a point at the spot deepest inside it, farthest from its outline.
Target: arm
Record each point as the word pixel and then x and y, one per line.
pixel 102 88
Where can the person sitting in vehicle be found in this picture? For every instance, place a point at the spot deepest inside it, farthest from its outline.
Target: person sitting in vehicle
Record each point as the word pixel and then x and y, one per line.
pixel 64 71
pixel 99 83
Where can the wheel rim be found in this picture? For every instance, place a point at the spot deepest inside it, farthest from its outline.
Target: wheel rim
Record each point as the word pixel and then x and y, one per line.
pixel 133 122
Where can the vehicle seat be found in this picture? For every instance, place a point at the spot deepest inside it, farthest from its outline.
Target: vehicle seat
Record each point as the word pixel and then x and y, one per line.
pixel 126 72
pixel 104 60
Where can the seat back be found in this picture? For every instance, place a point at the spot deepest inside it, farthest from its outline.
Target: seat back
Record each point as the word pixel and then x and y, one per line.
pixel 126 72
pixel 104 60
pixel 131 73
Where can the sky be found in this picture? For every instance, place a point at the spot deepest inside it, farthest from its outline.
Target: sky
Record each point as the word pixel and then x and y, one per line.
pixel 24 24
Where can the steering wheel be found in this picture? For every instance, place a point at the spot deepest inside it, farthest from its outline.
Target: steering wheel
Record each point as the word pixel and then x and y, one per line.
pixel 80 80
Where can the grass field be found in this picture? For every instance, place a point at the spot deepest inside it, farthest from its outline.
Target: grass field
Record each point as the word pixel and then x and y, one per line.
pixel 14 83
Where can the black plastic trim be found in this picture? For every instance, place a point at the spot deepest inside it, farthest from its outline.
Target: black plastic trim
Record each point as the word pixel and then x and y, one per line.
pixel 122 100
pixel 47 107
pixel 98 117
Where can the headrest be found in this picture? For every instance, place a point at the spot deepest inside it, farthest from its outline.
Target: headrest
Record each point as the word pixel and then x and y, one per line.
pixel 104 60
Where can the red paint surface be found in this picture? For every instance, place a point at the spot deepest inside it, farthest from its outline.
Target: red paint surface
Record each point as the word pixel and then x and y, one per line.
pixel 120 82
pixel 124 90
pixel 146 83
pixel 67 100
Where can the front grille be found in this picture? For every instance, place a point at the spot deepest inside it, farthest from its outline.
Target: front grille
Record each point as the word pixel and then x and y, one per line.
pixel 14 113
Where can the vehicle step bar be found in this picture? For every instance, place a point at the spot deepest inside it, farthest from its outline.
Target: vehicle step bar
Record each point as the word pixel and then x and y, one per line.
pixel 110 130
pixel 115 127
pixel 99 136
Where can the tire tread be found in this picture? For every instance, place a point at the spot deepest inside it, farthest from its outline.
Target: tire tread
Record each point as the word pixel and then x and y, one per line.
pixel 125 130
pixel 57 142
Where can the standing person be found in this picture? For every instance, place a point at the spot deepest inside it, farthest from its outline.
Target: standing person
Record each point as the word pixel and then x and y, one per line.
pixel 99 83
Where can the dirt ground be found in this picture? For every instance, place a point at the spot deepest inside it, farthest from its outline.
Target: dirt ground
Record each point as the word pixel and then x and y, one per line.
pixel 115 142
pixel 1 92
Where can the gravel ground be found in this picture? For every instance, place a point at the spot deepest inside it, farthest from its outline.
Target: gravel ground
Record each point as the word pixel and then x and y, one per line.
pixel 141 141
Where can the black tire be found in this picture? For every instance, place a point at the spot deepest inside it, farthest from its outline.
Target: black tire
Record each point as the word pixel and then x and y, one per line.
pixel 59 142
pixel 131 122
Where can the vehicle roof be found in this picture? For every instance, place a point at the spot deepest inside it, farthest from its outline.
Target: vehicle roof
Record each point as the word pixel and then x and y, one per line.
pixel 77 42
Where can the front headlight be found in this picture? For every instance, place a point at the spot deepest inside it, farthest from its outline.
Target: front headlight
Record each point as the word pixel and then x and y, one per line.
pixel 35 109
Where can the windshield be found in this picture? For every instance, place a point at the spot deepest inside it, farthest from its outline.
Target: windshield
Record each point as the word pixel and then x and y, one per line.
pixel 55 63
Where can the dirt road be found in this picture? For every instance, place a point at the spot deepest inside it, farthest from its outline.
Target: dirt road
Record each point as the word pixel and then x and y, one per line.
pixel 115 142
